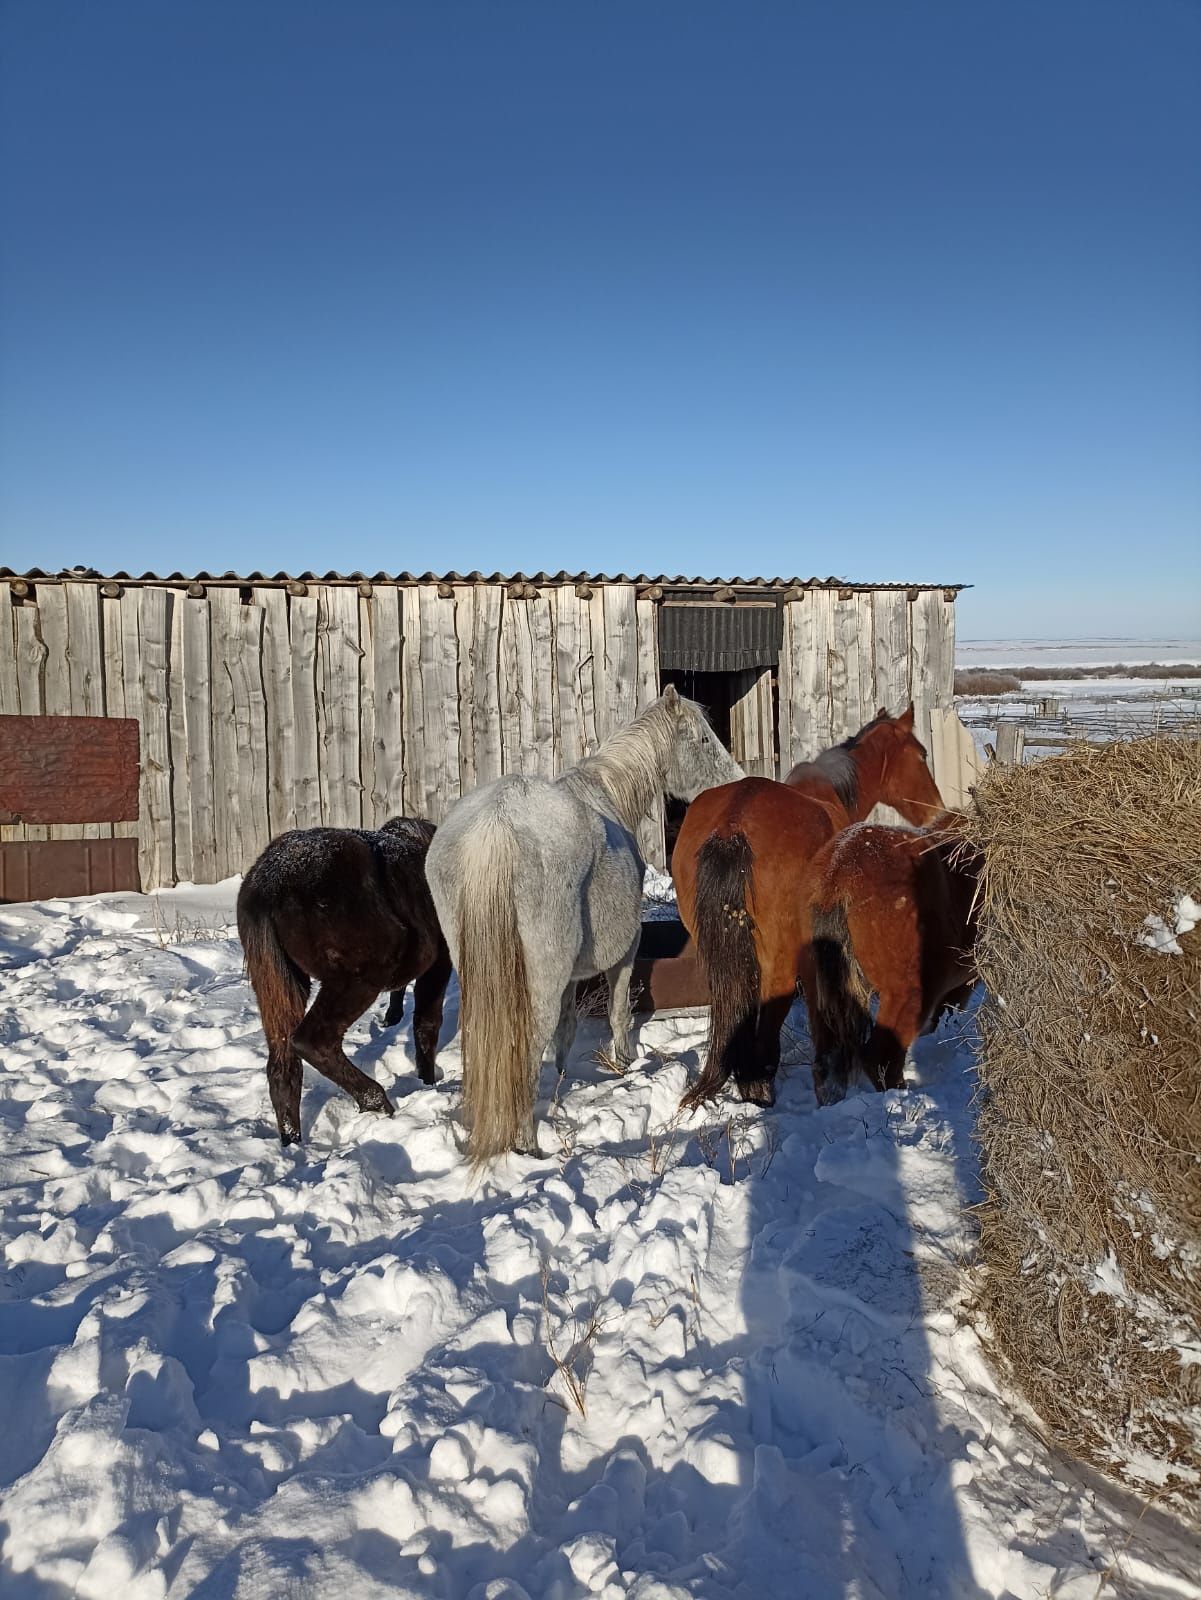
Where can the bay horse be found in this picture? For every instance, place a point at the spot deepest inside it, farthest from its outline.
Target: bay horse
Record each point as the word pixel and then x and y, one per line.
pixel 350 907
pixel 893 913
pixel 538 883
pixel 740 866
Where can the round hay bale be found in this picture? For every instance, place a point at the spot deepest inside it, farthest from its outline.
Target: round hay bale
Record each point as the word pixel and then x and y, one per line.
pixel 1090 1116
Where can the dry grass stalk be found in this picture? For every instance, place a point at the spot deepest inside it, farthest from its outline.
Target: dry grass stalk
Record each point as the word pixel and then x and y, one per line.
pixel 571 1363
pixel 1090 1119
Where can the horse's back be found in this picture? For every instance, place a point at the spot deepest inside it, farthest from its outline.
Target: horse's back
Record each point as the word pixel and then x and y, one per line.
pixel 576 873
pixel 905 897
pixel 348 899
pixel 784 828
pixel 550 824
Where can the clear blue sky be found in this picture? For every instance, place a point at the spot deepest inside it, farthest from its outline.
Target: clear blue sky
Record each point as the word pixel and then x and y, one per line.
pixel 888 290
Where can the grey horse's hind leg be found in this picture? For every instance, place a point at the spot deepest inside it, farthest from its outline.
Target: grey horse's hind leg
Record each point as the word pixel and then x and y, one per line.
pixel 619 1006
pixel 565 1032
pixel 546 1008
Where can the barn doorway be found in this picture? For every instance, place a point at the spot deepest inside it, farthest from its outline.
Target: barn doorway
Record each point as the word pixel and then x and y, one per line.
pixel 716 692
pixel 726 657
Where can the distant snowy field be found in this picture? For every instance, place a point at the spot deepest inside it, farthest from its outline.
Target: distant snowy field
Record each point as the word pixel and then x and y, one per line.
pixel 1099 708
pixel 232 1372
pixel 1075 652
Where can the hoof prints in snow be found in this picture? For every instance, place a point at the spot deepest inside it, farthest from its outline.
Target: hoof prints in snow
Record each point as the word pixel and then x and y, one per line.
pixel 231 1370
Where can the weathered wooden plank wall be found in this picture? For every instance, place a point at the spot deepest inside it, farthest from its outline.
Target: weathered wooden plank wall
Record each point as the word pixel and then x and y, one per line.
pixel 845 656
pixel 264 708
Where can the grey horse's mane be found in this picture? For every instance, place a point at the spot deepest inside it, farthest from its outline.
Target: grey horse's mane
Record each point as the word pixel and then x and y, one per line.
pixel 631 764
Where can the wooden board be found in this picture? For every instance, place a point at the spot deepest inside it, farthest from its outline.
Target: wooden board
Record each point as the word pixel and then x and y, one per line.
pixel 464 604
pixel 752 737
pixel 181 807
pixel 250 724
pixel 651 835
pixel 156 833
pixel 890 633
pixel 414 704
pixel 197 709
pixel 843 687
pixel 224 607
pixel 570 744
pixel 487 744
pixel 438 668
pixel 388 765
pixel 307 780
pixel 280 710
pixel 338 666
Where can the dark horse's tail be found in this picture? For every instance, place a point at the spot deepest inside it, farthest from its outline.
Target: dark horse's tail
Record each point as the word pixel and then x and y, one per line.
pixel 280 987
pixel 842 998
pixel 725 942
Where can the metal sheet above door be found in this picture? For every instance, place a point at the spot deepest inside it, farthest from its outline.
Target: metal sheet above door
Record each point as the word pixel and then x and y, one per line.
pixel 725 638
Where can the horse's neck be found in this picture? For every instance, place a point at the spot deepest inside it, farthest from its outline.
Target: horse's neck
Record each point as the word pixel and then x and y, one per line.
pixel 868 761
pixel 622 790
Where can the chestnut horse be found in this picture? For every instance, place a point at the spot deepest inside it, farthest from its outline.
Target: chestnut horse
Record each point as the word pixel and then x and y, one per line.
pixel 350 907
pixel 740 866
pixel 893 913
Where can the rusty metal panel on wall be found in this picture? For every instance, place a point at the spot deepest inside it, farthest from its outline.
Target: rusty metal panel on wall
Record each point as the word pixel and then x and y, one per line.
pixel 68 769
pixel 50 869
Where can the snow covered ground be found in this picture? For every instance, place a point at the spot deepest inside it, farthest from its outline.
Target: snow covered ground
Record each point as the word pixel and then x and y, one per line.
pixel 227 1370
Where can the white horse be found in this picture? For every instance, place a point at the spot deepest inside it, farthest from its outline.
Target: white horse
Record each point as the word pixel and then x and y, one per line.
pixel 537 884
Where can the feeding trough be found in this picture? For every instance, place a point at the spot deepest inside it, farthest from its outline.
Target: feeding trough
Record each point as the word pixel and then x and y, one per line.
pixel 667 974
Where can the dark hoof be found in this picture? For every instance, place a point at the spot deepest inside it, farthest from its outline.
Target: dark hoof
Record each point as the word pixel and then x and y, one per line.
pixel 758 1092
pixel 289 1133
pixel 428 1077
pixel 376 1100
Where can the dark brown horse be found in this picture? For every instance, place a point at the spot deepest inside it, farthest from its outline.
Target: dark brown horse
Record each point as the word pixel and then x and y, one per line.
pixel 893 913
pixel 740 866
pixel 351 908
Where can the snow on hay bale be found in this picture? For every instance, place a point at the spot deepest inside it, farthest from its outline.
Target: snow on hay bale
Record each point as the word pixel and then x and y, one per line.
pixel 1090 1121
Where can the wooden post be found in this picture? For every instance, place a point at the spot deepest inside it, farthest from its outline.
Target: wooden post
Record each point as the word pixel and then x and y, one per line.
pixel 1048 708
pixel 1011 742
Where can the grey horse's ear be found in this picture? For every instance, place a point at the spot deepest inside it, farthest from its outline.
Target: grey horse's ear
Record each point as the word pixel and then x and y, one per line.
pixel 671 696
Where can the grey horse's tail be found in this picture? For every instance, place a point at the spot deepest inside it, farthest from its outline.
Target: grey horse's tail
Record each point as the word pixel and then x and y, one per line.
pixel 842 999
pixel 496 1017
pixel 725 942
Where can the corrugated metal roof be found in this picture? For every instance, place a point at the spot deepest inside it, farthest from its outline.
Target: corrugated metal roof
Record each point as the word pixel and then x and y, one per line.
pixel 91 575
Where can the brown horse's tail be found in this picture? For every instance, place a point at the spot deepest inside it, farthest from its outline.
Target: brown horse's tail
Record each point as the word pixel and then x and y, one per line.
pixel 841 1002
pixel 280 987
pixel 496 1016
pixel 725 942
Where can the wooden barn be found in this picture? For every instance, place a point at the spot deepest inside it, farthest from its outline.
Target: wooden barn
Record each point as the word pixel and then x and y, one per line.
pixel 267 703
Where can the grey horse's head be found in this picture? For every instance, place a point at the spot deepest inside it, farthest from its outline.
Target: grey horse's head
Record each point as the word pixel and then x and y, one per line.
pixel 698 758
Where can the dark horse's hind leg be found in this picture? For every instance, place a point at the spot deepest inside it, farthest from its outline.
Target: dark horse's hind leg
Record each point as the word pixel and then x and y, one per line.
pixel 396 1008
pixel 284 1077
pixel 428 994
pixel 318 1040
